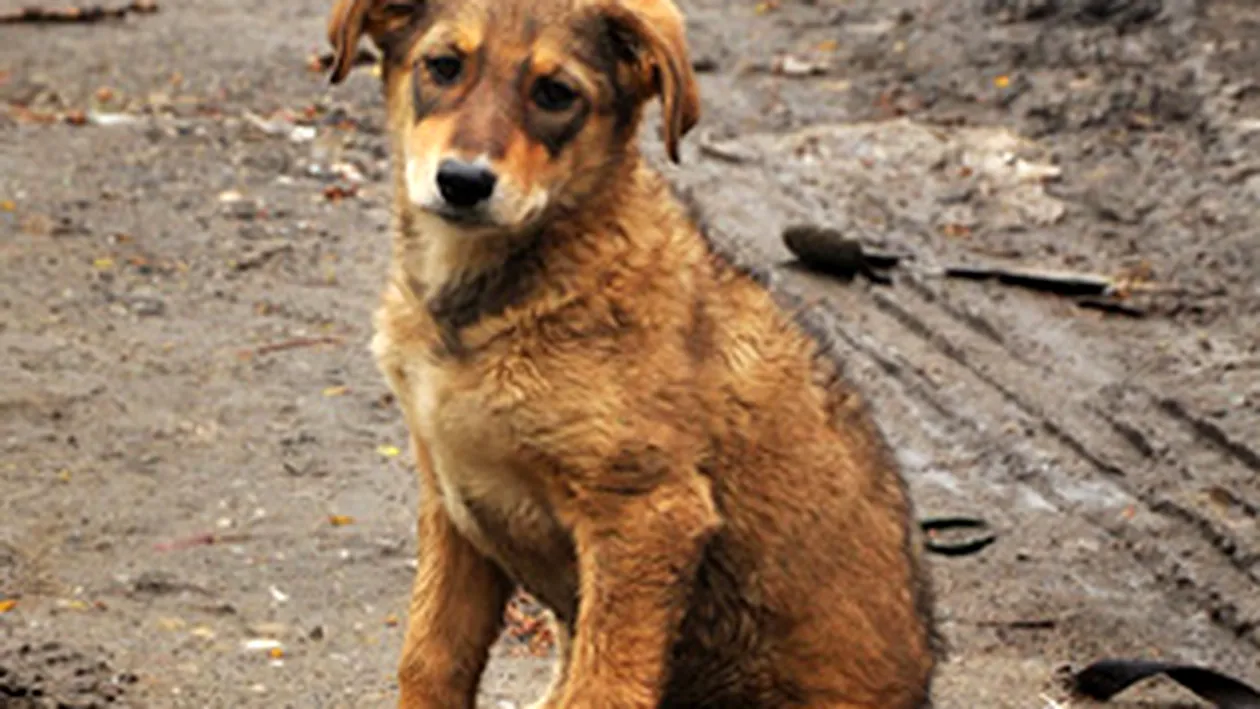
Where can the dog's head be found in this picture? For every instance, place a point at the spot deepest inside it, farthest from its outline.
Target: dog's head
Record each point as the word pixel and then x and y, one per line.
pixel 501 110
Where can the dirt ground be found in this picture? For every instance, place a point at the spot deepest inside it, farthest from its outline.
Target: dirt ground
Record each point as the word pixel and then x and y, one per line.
pixel 204 503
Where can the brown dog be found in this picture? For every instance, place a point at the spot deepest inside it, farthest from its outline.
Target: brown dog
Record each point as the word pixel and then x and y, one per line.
pixel 604 410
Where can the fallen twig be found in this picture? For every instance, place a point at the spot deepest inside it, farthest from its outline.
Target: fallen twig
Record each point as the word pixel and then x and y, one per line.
pixel 1020 624
pixel 829 250
pixel 294 343
pixel 95 13
pixel 1059 282
pixel 1104 679
pixel 1114 306
pixel 200 540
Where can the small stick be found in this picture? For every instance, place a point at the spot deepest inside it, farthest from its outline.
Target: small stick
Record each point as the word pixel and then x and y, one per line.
pixel 1060 282
pixel 200 540
pixel 1113 306
pixel 95 13
pixel 295 343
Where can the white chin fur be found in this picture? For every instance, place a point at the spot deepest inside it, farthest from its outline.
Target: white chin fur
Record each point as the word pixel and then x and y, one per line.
pixel 421 189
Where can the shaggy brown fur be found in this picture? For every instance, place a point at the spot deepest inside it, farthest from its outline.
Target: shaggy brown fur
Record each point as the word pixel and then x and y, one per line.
pixel 603 410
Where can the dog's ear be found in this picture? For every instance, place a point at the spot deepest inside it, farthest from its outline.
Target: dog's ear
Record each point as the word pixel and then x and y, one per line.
pixel 652 34
pixel 350 19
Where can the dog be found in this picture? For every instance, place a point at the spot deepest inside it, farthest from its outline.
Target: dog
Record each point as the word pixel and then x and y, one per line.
pixel 604 409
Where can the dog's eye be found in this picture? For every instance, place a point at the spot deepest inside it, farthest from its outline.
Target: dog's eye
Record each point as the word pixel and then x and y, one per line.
pixel 551 95
pixel 444 70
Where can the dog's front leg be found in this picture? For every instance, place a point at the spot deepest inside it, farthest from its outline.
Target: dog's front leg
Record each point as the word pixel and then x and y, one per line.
pixel 456 611
pixel 637 557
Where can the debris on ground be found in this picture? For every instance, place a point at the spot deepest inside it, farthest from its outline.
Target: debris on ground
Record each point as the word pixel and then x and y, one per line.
pixel 292 344
pixel 92 13
pixel 198 540
pixel 1058 282
pixel 829 250
pixel 1104 679
pixel 797 67
pixel 956 536
pixel 528 626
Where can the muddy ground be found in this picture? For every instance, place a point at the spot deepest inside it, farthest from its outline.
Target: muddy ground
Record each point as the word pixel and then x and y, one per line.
pixel 179 195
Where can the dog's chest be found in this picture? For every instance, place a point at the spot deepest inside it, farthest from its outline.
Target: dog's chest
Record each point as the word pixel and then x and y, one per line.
pixel 487 494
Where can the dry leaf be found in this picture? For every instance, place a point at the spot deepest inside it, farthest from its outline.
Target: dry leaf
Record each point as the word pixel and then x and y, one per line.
pixel 340 520
pixel 336 391
pixel 795 66
pixel 103 264
pixel 336 193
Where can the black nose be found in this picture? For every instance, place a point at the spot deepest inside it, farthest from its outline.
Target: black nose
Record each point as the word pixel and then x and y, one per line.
pixel 464 184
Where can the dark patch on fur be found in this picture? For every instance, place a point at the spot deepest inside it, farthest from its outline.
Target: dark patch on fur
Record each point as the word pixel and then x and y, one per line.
pixel 466 301
pixel 424 100
pixel 608 49
pixel 636 469
pixel 497 527
pixel 733 630
pixel 395 43
pixel 702 330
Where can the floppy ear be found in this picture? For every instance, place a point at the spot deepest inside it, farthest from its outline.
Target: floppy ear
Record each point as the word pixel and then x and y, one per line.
pixel 657 36
pixel 348 21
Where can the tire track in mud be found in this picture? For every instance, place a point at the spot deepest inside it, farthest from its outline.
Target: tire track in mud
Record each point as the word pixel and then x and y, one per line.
pixel 1087 429
pixel 1186 554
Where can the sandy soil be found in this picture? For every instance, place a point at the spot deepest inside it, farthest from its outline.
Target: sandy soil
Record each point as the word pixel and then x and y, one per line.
pixel 220 201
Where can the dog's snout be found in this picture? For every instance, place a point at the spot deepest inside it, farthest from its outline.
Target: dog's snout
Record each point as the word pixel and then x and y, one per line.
pixel 465 184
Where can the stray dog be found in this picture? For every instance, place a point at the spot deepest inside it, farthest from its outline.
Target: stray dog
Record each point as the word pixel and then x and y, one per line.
pixel 604 410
